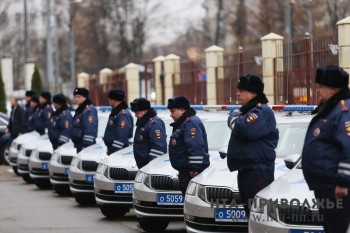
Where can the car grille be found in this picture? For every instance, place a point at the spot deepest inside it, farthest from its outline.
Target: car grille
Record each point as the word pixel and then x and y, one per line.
pixel 66 160
pixel 117 173
pixel 165 183
pixel 299 215
pixel 28 152
pixel 221 195
pixel 44 156
pixel 90 166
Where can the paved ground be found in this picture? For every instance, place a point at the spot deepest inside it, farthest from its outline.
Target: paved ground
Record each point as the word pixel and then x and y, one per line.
pixel 25 208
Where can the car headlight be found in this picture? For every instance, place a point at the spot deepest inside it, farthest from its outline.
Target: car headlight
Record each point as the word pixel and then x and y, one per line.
pixel 76 162
pixel 272 207
pixel 191 188
pixel 55 157
pixel 22 151
pixel 147 180
pixel 35 153
pixel 258 205
pixel 139 177
pixel 101 168
pixel 13 145
pixel 201 192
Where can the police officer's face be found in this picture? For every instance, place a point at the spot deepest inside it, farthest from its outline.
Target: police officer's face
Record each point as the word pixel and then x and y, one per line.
pixel 42 100
pixel 176 113
pixel 79 99
pixel 28 98
pixel 244 96
pixel 139 114
pixel 56 105
pixel 33 104
pixel 13 101
pixel 325 92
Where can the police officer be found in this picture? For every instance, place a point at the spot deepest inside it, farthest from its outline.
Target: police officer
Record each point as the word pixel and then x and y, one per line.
pixel 61 122
pixel 28 111
pixel 120 123
pixel 85 121
pixel 253 140
pixel 326 152
pixel 43 113
pixel 150 136
pixel 188 145
pixel 34 105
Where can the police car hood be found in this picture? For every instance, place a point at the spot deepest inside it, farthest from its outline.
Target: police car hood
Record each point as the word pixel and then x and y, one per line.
pixel 44 144
pixel 27 137
pixel 122 158
pixel 218 174
pixel 162 165
pixel 291 185
pixel 67 149
pixel 41 142
pixel 94 152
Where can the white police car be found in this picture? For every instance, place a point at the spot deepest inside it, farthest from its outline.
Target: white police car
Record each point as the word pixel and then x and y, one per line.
pixel 16 146
pixel 63 156
pixel 157 197
pixel 286 206
pixel 205 208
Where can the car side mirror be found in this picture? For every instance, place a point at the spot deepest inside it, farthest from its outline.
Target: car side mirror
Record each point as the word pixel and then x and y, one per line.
pixel 291 160
pixel 223 152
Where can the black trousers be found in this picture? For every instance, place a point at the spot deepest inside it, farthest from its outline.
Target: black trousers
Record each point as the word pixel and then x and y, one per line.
pixel 336 219
pixel 184 179
pixel 250 182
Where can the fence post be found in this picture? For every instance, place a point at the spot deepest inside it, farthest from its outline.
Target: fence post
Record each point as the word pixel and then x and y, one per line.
pixel 344 43
pixel 240 61
pixel 158 73
pixel 132 76
pixel 83 80
pixel 171 70
pixel 103 78
pixel 308 67
pixel 270 51
pixel 214 56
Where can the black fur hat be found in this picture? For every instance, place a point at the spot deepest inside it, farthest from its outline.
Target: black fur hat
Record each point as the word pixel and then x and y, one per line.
pixel 116 95
pixel 332 76
pixel 30 93
pixel 179 102
pixel 81 91
pixel 59 99
pixel 140 104
pixel 251 83
pixel 46 95
pixel 35 99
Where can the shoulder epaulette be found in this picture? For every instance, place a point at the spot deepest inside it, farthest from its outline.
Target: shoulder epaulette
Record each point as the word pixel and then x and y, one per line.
pixel 343 106
pixel 123 111
pixel 87 107
pixel 151 120
pixel 259 105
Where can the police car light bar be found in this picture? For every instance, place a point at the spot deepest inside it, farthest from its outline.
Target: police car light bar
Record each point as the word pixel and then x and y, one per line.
pixel 299 108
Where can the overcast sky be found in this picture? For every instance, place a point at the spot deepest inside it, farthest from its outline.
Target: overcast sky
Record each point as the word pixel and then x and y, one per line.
pixel 181 14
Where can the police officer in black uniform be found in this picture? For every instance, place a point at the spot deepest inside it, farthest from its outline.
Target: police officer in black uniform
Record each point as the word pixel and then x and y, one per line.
pixel 43 113
pixel 254 138
pixel 28 111
pixel 150 136
pixel 326 152
pixel 85 121
pixel 188 145
pixel 120 123
pixel 34 105
pixel 60 127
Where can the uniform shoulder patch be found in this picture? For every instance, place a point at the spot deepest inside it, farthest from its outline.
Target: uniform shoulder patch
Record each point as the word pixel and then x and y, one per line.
pixel 347 127
pixel 193 132
pixel 90 119
pixel 122 123
pixel 158 134
pixel 343 106
pixel 252 117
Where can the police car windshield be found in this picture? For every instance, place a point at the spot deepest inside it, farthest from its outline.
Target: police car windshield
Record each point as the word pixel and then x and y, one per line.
pixel 291 138
pixel 218 134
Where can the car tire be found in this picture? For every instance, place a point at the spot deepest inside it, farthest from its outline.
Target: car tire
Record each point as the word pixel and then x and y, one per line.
pixel 7 155
pixel 84 199
pixel 62 190
pixel 42 183
pixel 14 168
pixel 3 150
pixel 153 225
pixel 27 179
pixel 114 211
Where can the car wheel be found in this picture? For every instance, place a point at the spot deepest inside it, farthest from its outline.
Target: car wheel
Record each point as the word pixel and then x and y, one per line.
pixel 3 150
pixel 42 183
pixel 114 211
pixel 62 190
pixel 14 168
pixel 7 155
pixel 152 225
pixel 27 179
pixel 84 199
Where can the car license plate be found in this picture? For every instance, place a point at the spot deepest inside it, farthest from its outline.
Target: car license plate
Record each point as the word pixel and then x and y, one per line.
pixel 90 179
pixel 230 215
pixel 123 187
pixel 45 166
pixel 305 231
pixel 66 170
pixel 170 199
